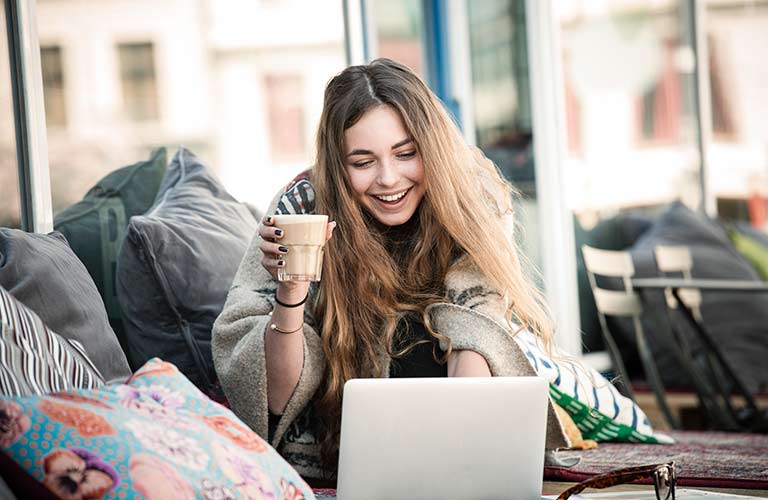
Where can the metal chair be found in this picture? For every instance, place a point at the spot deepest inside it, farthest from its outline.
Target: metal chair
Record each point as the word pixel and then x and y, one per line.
pixel 678 259
pixel 715 378
pixel 623 302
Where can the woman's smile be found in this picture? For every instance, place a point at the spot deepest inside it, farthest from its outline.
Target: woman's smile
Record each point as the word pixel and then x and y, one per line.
pixel 391 201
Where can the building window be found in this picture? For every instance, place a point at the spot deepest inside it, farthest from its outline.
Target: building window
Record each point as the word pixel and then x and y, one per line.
pixel 53 86
pixel 285 117
pixel 722 118
pixel 661 107
pixel 137 74
pixel 572 118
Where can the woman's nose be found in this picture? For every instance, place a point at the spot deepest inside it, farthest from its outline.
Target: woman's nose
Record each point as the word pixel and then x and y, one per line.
pixel 387 175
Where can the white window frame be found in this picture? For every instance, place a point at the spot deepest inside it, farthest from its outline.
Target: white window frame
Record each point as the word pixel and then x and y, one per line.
pixel 34 143
pixel 558 251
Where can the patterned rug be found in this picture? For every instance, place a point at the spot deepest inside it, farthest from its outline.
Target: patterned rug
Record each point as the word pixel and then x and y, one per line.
pixel 703 459
pixel 324 493
pixel 706 459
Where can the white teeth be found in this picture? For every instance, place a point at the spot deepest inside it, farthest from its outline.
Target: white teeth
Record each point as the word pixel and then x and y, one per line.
pixel 393 197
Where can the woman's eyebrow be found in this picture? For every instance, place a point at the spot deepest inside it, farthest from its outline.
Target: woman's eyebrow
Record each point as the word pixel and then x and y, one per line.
pixel 402 143
pixel 359 152
pixel 368 152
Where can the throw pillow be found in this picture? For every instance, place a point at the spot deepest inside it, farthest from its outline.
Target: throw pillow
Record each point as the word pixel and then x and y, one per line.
pixel 35 360
pixel 735 320
pixel 43 273
pixel 156 437
pixel 595 406
pixel 95 226
pixel 176 266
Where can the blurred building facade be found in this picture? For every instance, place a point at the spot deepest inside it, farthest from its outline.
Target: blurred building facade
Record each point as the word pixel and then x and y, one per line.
pixel 239 83
pixel 653 100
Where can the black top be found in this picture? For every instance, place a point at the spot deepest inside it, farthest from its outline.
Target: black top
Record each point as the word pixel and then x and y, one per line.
pixel 420 361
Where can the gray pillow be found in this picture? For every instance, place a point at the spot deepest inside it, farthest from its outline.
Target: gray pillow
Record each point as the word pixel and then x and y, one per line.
pixel 43 273
pixel 176 266
pixel 737 321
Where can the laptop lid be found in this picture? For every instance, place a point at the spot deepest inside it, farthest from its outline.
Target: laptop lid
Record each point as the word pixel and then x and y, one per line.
pixel 429 438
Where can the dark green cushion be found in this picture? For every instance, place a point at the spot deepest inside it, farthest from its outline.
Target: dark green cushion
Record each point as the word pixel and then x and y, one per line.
pixel 95 227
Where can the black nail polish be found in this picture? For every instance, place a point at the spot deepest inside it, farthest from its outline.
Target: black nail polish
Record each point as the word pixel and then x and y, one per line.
pixel 269 219
pixel 278 232
pixel 280 263
pixel 283 249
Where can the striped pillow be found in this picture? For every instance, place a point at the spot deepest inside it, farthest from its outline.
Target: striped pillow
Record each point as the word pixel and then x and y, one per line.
pixel 35 360
pixel 595 406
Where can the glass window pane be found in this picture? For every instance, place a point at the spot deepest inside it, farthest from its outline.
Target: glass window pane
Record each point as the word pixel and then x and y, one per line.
pixel 238 82
pixel 630 117
pixel 738 82
pixel 502 103
pixel 10 202
pixel 399 32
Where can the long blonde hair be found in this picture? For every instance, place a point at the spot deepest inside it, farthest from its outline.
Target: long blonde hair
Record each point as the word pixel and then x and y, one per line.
pixel 365 289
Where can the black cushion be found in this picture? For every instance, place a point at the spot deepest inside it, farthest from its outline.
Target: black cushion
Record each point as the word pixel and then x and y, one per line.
pixel 43 273
pixel 176 266
pixel 737 321
pixel 95 226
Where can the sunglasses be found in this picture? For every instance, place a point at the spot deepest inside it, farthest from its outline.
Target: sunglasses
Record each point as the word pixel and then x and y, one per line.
pixel 663 475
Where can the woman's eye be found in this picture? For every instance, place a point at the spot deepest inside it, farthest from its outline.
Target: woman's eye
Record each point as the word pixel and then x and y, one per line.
pixel 362 164
pixel 406 155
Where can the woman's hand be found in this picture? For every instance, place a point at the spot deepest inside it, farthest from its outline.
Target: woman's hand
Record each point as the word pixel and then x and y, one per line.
pixel 274 252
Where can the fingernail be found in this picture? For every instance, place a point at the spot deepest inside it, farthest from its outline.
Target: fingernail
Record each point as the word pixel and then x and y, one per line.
pixel 280 263
pixel 283 249
pixel 269 219
pixel 333 225
pixel 278 232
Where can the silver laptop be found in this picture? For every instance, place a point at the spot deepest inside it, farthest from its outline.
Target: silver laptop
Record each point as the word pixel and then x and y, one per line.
pixel 434 438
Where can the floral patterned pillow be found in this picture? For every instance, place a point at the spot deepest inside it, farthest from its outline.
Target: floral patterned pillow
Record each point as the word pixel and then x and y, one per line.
pixel 155 437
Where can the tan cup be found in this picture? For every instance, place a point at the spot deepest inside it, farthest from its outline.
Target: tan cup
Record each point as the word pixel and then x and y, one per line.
pixel 304 235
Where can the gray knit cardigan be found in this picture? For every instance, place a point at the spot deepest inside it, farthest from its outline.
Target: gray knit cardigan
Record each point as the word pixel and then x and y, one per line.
pixel 472 317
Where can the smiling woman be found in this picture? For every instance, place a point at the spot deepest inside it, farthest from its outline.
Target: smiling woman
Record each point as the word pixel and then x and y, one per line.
pixel 385 171
pixel 420 279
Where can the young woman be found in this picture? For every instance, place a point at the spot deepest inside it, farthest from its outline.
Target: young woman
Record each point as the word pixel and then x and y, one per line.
pixel 421 277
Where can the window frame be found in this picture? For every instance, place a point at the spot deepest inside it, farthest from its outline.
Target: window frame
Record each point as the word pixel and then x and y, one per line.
pixel 29 116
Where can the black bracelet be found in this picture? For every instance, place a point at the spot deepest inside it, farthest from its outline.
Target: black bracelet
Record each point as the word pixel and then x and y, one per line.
pixel 291 305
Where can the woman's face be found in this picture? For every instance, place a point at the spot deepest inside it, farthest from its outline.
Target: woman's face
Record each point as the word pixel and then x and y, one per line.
pixel 384 166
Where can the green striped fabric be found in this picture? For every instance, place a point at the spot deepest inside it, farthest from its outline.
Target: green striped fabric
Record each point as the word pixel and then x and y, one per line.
pixel 595 425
